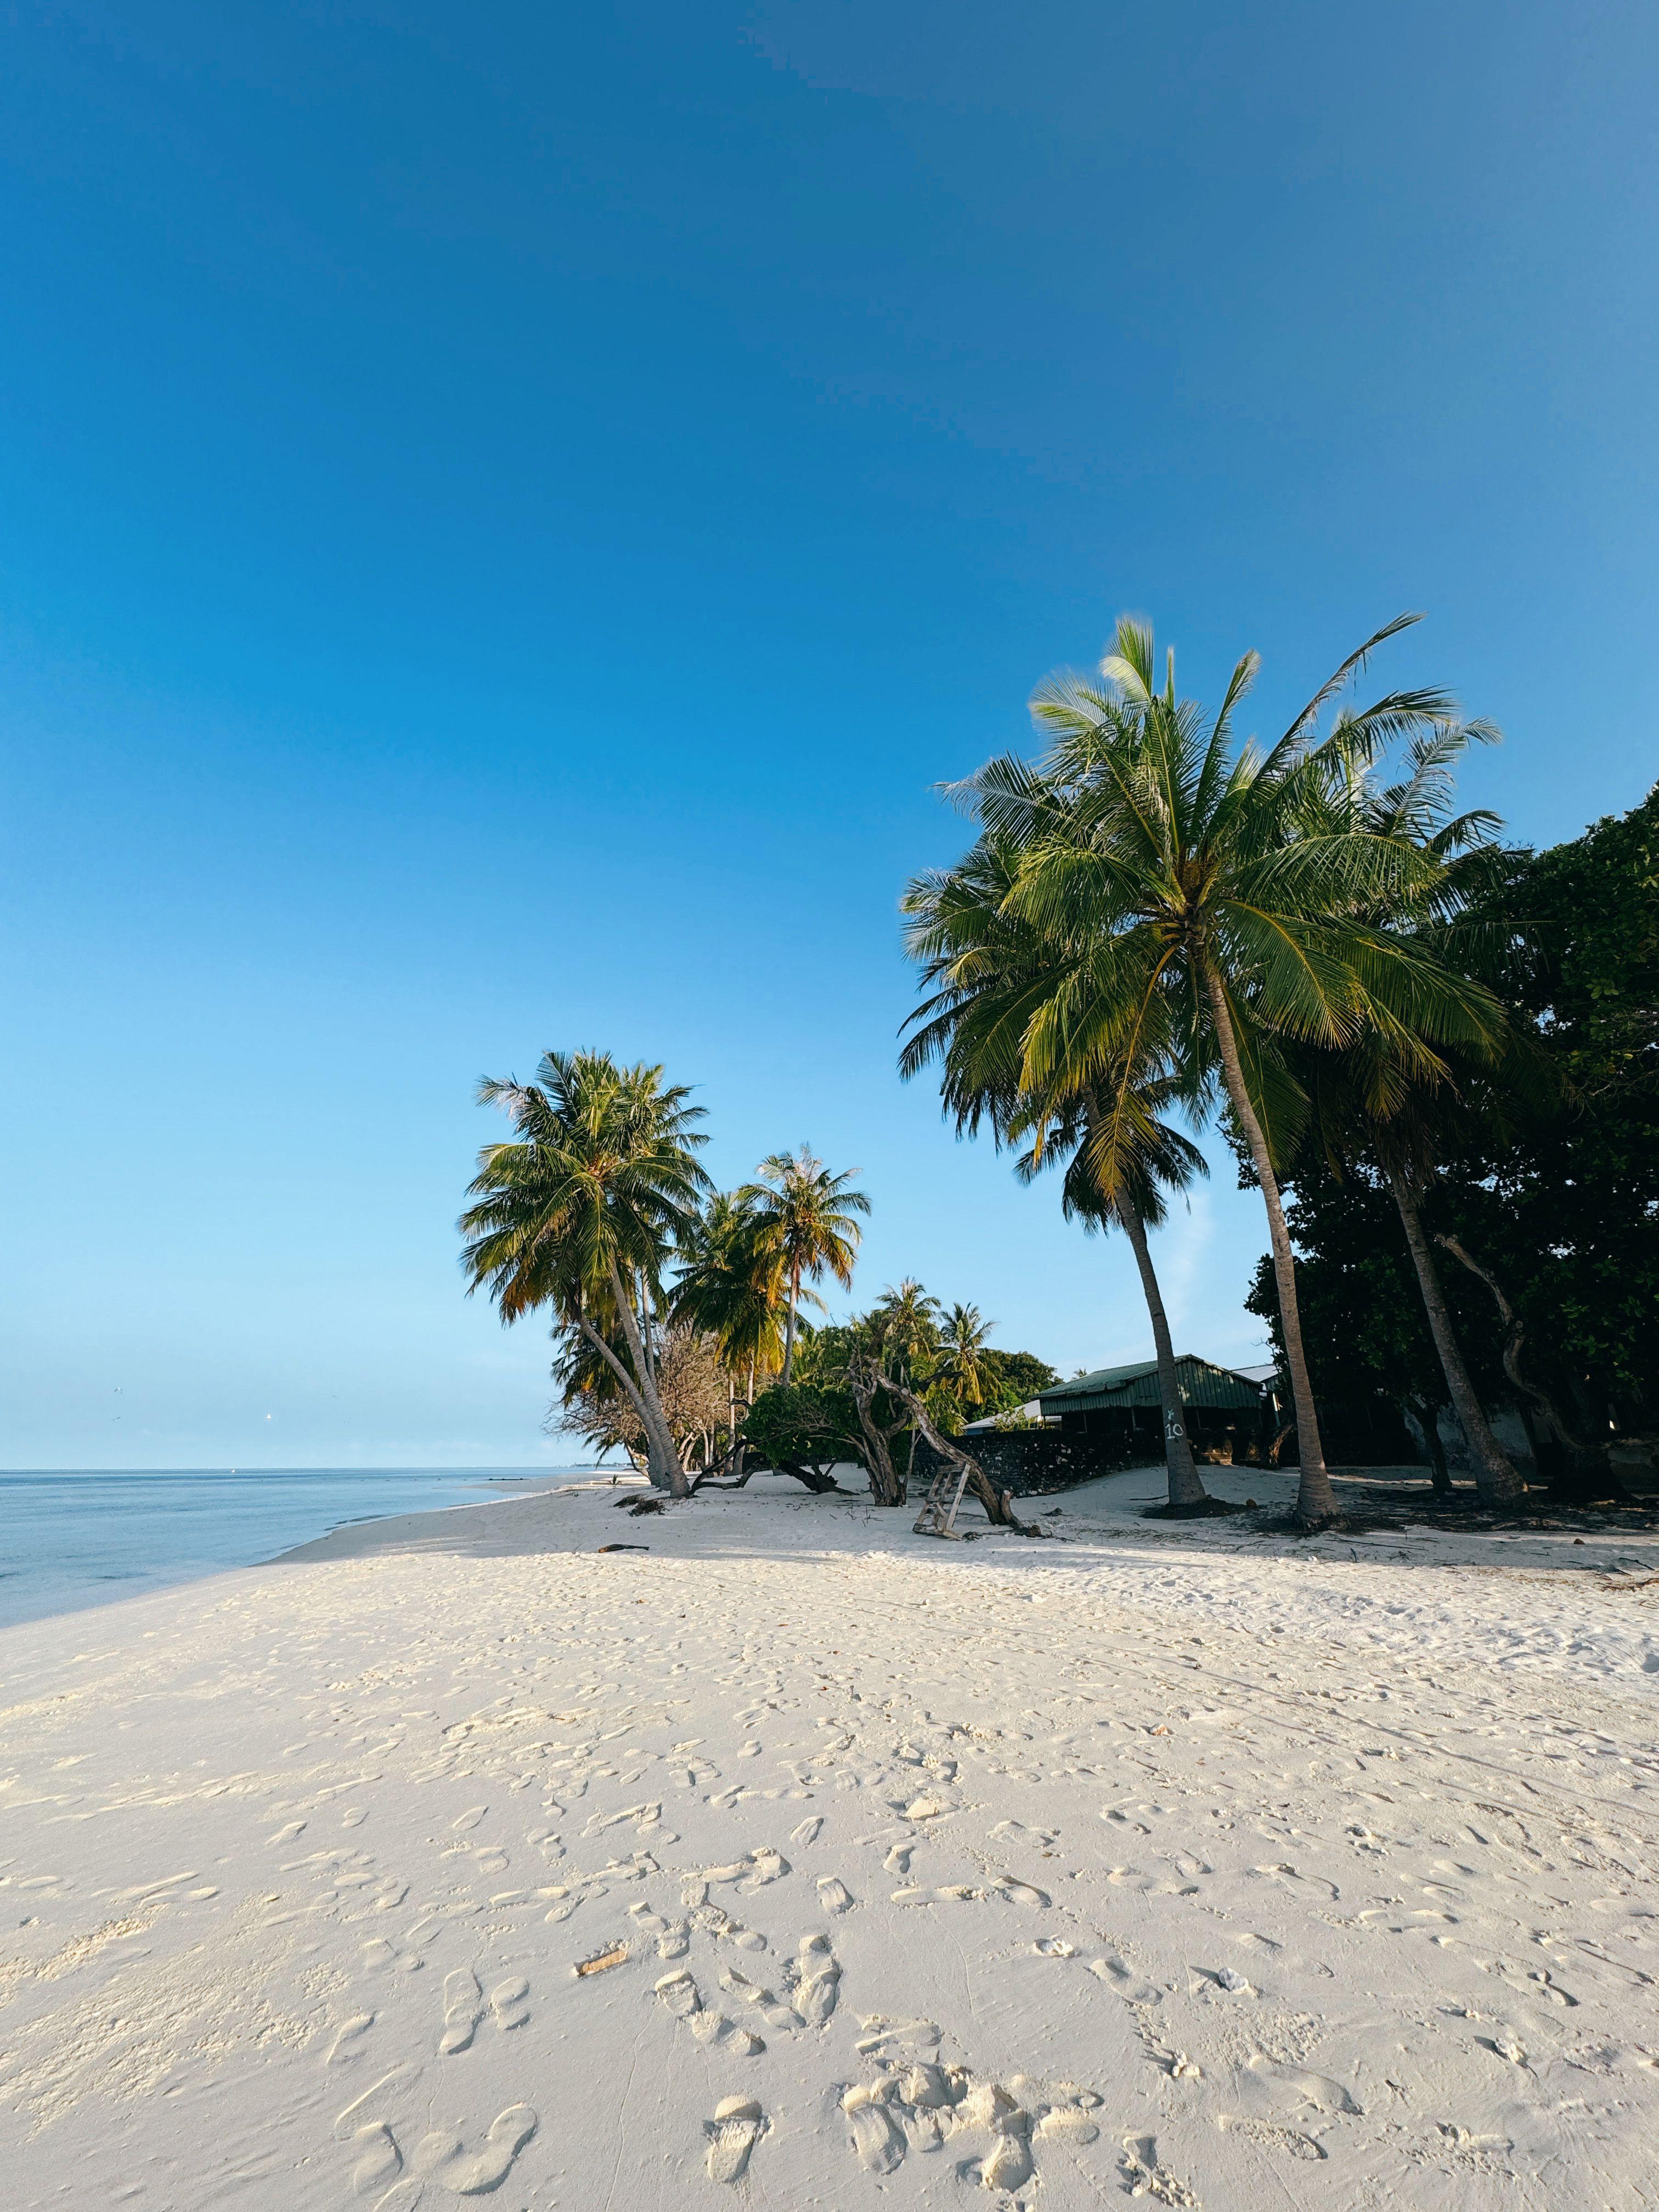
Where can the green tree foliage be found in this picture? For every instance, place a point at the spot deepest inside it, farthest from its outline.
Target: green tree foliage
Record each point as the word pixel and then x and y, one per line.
pixel 582 1213
pixel 844 1403
pixel 1559 1204
pixel 1012 1378
pixel 806 1217
pixel 1363 1313
pixel 1211 898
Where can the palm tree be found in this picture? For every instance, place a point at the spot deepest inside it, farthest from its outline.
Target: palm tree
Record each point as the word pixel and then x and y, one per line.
pixel 906 1323
pixel 1399 1109
pixel 582 1213
pixel 806 1215
pixel 1215 899
pixel 1164 1159
pixel 963 1337
pixel 992 972
pixel 732 1284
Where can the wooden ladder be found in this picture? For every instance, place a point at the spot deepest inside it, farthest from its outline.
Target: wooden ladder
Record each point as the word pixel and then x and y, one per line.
pixel 938 1509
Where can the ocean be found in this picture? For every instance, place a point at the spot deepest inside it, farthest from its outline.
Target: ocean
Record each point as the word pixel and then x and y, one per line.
pixel 73 1539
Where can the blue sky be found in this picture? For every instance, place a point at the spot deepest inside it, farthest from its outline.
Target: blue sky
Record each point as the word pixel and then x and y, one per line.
pixel 506 513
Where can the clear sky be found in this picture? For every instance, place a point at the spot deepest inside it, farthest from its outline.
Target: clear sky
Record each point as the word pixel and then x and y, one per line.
pixel 507 512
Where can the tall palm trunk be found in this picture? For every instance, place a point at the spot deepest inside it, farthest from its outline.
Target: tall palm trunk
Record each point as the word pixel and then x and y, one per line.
pixel 1185 1487
pixel 1495 1480
pixel 789 1327
pixel 1316 1500
pixel 663 1461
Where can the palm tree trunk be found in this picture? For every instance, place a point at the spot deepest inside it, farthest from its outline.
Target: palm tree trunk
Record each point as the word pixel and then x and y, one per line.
pixel 789 1328
pixel 1186 1486
pixel 1495 1480
pixel 1315 1501
pixel 1428 1420
pixel 665 1469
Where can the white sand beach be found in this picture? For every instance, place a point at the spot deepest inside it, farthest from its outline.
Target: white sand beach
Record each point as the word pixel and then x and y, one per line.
pixel 801 1862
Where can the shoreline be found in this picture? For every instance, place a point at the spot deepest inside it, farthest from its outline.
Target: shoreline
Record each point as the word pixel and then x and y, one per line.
pixel 1165 1857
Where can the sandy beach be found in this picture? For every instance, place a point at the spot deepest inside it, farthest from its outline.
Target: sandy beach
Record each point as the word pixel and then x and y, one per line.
pixel 801 1862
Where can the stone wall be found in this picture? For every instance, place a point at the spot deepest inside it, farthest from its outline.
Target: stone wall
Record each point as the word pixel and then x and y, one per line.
pixel 1031 1463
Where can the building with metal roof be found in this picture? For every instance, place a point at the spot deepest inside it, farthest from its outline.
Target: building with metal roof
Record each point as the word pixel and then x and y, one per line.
pixel 1222 1389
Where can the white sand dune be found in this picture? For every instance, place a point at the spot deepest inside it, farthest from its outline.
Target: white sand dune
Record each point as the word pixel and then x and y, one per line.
pixel 801 1861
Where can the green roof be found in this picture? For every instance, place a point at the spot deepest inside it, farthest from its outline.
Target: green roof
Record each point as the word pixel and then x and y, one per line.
pixel 1202 1383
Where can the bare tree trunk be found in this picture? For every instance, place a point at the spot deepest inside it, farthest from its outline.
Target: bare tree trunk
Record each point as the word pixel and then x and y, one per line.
pixel 666 1472
pixel 1514 1330
pixel 1315 1502
pixel 1495 1480
pixel 1428 1421
pixel 1185 1487
pixel 789 1328
pixel 999 1504
pixel 887 1484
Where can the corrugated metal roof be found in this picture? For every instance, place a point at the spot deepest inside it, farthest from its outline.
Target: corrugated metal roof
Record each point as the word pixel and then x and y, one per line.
pixel 1202 1383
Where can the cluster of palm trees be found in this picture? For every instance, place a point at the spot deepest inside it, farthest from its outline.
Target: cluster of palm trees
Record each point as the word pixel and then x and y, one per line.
pixel 1154 927
pixel 599 1211
pixel 1157 921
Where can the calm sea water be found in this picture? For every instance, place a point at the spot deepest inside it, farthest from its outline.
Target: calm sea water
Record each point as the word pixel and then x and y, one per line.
pixel 70 1540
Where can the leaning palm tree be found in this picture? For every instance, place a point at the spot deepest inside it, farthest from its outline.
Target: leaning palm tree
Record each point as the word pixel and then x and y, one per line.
pixel 582 1213
pixel 991 972
pixel 804 1214
pixel 1214 899
pixel 963 1337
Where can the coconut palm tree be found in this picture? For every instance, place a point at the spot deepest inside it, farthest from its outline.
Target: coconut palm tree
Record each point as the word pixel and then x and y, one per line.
pixel 1214 898
pixel 1164 1160
pixel 582 1213
pixel 959 1365
pixel 992 972
pixel 732 1284
pixel 805 1215
pixel 905 1320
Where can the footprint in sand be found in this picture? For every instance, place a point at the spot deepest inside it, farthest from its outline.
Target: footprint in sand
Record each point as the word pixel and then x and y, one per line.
pixel 1144 2176
pixel 672 1938
pixel 361 2111
pixel 445 2159
pixel 348 2043
pixel 1293 1877
pixel 680 1993
pixel 507 2003
pixel 817 1976
pixel 470 1818
pixel 379 2158
pixel 461 2010
pixel 717 2033
pixel 808 1831
pixel 888 2039
pixel 879 2139
pixel 738 2125
pixel 1272 2138
pixel 834 1896
pixel 1292 2086
pixel 1120 1976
